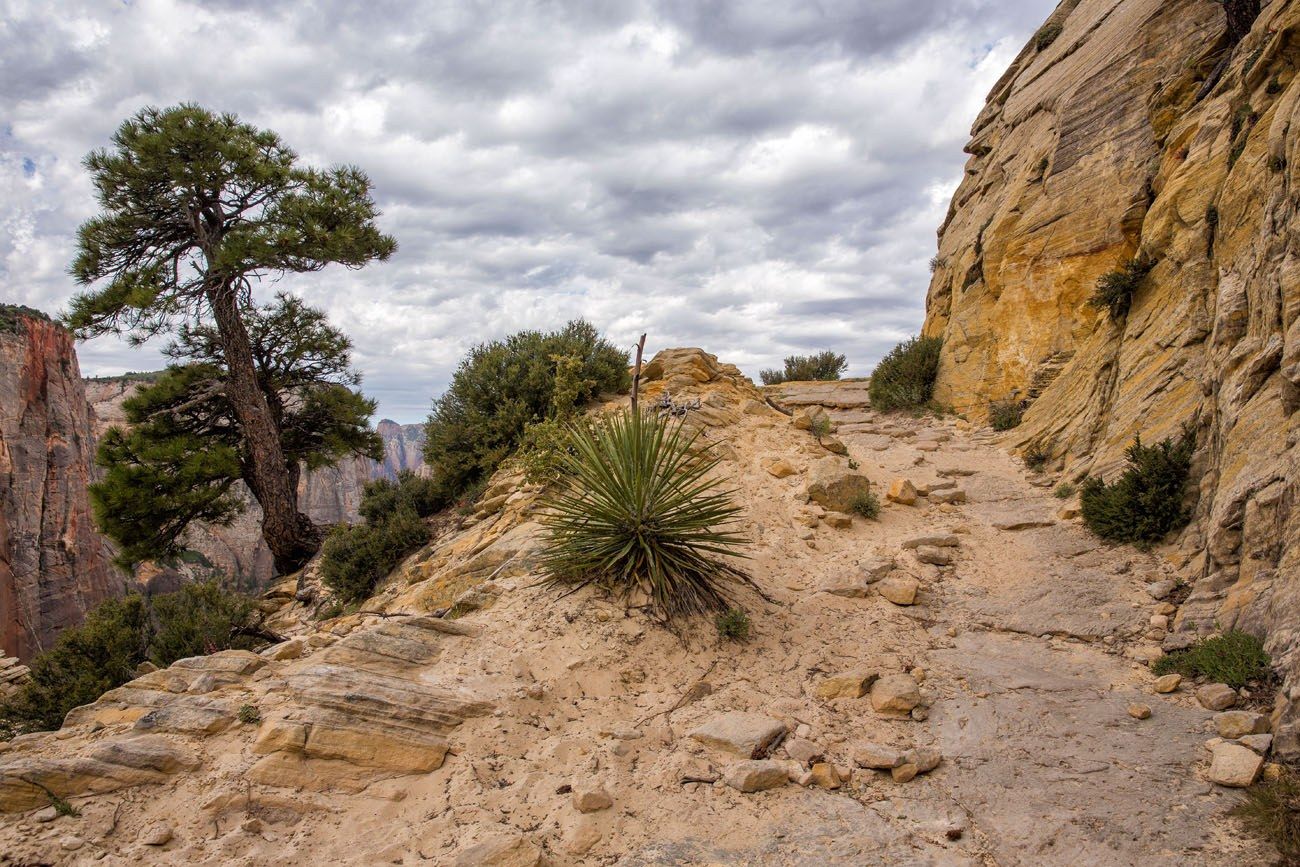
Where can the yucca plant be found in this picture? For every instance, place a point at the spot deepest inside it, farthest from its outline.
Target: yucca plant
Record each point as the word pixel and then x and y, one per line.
pixel 640 514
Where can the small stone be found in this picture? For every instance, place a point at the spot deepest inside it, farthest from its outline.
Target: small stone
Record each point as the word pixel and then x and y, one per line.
pixel 1167 683
pixel 919 713
pixel 934 556
pixel 850 684
pixel 868 754
pixel 895 694
pixel 1158 590
pixel 1216 696
pixel 1159 621
pixel 1166 608
pixel 756 775
pixel 1235 766
pixel 49 814
pixel 156 834
pixel 71 843
pixel 1137 710
pixel 901 491
pixel 905 773
pixel 824 776
pixel 1259 743
pixel 918 674
pixel 803 751
pixel 590 799
pixel 899 588
pixel 1236 723
pixel 779 467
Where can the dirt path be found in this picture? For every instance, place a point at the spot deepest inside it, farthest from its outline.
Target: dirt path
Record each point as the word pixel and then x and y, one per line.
pixel 1024 646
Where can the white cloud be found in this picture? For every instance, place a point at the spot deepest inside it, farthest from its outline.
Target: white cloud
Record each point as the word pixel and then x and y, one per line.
pixel 760 178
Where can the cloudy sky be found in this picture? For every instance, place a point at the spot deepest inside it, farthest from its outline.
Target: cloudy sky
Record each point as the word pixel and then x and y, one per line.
pixel 756 177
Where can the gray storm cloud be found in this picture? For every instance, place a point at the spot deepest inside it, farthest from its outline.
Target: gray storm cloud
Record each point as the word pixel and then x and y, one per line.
pixel 758 178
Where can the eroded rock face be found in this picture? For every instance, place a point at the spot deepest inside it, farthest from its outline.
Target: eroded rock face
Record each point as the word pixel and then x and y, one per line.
pixel 1095 150
pixel 54 566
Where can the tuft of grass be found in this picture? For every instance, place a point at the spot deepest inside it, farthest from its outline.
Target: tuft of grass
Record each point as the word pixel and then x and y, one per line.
pixel 1036 455
pixel 821 426
pixel 641 515
pixel 1115 289
pixel 866 504
pixel 1272 810
pixel 248 714
pixel 905 377
pixel 1006 414
pixel 1146 501
pixel 733 625
pixel 1064 491
pixel 1235 658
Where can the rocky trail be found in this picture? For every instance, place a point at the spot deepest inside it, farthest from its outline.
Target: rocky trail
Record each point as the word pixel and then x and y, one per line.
pixel 956 683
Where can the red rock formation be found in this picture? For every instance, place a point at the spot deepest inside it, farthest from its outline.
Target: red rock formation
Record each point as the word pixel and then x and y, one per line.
pixel 54 566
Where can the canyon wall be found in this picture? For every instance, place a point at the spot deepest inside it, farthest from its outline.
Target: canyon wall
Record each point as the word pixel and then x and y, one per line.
pixel 53 564
pixel 1108 140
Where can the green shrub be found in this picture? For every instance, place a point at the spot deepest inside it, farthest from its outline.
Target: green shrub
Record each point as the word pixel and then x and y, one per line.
pixel 866 504
pixel 823 366
pixel 11 316
pixel 1115 289
pixel 1046 35
pixel 905 377
pixel 1146 502
pixel 1005 414
pixel 382 497
pixel 641 516
pixel 356 558
pixel 733 624
pixel 820 426
pixel 1235 658
pixel 1271 809
pixel 119 634
pixel 1064 491
pixel 503 387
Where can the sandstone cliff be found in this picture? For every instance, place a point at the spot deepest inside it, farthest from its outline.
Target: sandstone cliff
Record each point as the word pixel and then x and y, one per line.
pixel 53 564
pixel 1096 147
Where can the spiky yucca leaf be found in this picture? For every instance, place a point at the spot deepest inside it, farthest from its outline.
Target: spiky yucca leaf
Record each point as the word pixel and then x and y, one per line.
pixel 641 513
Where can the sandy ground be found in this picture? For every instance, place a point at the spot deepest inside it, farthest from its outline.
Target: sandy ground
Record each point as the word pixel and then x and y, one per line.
pixel 1024 643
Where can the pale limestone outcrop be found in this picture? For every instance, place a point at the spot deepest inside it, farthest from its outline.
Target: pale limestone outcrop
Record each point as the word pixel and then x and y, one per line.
pixel 1093 151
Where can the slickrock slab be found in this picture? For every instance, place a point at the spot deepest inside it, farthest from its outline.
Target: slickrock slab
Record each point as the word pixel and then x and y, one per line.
pixel 943 540
pixel 749 735
pixel 104 767
pixel 1016 523
pixel 840 394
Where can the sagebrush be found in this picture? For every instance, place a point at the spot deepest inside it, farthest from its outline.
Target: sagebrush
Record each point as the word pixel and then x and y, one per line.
pixel 866 504
pixel 823 366
pixel 1006 414
pixel 1115 289
pixel 905 377
pixel 1147 501
pixel 641 517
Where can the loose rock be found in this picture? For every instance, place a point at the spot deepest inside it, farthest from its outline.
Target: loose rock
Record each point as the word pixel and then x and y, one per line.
pixel 901 491
pixel 756 776
pixel 899 588
pixel 590 799
pixel 749 735
pixel 1216 696
pixel 895 694
pixel 1237 723
pixel 1167 683
pixel 1234 765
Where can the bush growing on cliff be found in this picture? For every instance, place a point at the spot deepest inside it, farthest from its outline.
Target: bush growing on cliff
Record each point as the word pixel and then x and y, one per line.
pixel 824 366
pixel 356 558
pixel 1146 501
pixel 1046 35
pixel 905 377
pixel 641 518
pixel 1005 414
pixel 1235 658
pixel 117 636
pixel 503 387
pixel 1115 289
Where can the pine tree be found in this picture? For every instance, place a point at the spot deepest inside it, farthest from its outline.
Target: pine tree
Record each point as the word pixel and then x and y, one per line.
pixel 196 207
pixel 185 448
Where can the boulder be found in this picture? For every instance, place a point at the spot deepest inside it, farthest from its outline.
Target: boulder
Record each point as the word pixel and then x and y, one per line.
pixel 901 491
pixel 851 684
pixel 1233 724
pixel 868 754
pixel 832 485
pixel 756 775
pixel 899 588
pixel 1216 696
pixel 895 694
pixel 1234 765
pixel 1261 743
pixel 749 735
